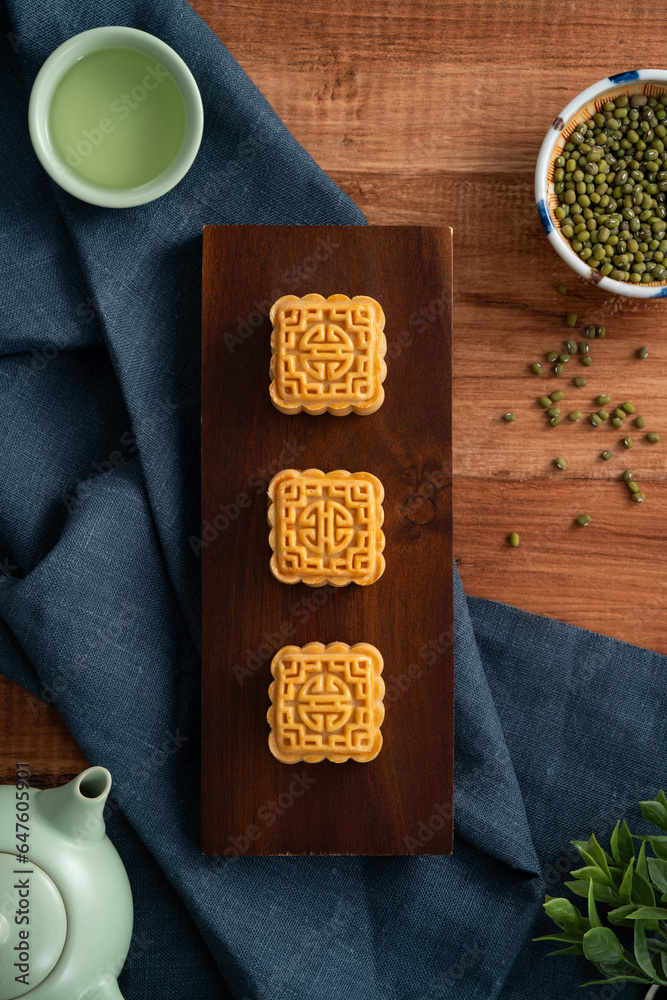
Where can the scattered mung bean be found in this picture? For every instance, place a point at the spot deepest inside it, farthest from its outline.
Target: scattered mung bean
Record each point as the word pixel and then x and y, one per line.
pixel 544 402
pixel 558 370
pixel 583 520
pixel 642 352
pixel 616 422
pixel 579 382
pixel 557 396
pixel 551 356
pixel 606 455
pixel 603 415
pixel 554 422
pixel 508 417
pixel 536 369
pixel 560 463
pixel 638 497
pixel 627 442
pixel 653 438
pixel 628 407
pixel 627 476
pixel 595 420
pixel 514 540
pixel 571 319
pixel 586 361
pixel 562 289
pixel 633 487
pixel 553 411
pixel 640 422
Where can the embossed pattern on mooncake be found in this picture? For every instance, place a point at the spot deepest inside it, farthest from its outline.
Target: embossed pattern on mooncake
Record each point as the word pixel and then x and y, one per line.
pixel 326 528
pixel 327 354
pixel 326 703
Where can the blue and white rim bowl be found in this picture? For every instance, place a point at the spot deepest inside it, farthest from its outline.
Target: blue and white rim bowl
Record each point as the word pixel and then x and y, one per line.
pixel 651 82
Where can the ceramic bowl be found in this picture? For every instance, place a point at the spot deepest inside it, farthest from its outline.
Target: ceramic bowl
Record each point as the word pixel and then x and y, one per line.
pixel 651 82
pixel 44 87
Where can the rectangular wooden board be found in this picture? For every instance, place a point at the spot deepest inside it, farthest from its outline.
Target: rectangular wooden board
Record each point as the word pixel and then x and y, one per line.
pixel 401 802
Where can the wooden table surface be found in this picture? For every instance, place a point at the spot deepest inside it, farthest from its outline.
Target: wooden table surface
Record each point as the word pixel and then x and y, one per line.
pixel 432 112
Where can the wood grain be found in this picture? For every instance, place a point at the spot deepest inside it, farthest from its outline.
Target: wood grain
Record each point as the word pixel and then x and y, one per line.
pixel 383 806
pixel 432 112
pixel 34 732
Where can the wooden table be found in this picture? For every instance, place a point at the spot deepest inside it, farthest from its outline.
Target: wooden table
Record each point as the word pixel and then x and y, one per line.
pixel 433 112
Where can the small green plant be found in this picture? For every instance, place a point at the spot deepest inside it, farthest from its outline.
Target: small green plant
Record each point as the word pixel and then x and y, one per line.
pixel 634 886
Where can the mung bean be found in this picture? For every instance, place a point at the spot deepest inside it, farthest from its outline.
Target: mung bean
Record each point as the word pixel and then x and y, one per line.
pixel 560 463
pixel 642 352
pixel 514 540
pixel 653 438
pixel 583 520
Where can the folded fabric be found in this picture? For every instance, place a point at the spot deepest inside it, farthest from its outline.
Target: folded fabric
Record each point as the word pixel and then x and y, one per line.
pixel 558 731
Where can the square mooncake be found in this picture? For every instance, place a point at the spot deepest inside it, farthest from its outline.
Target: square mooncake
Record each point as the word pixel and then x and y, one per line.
pixel 326 703
pixel 327 354
pixel 326 527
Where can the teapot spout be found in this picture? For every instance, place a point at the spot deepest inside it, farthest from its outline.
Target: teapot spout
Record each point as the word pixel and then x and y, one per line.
pixel 76 810
pixel 105 990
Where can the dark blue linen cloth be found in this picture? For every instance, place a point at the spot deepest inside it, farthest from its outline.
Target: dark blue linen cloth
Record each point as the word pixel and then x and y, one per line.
pixel 559 731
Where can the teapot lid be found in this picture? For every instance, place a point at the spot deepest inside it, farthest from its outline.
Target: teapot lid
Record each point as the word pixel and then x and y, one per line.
pixel 33 926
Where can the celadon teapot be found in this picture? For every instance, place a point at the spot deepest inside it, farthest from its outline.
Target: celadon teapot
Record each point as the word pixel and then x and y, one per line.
pixel 65 900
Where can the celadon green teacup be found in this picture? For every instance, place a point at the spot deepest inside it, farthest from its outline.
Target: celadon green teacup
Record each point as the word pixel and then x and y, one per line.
pixel 115 117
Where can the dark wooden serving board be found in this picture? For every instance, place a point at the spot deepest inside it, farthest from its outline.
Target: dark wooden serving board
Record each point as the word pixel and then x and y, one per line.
pixel 401 802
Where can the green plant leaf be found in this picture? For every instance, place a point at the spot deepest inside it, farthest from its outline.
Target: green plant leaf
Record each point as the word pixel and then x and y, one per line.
pixel 659 845
pixel 655 812
pixel 593 855
pixel 600 944
pixel 642 954
pixel 566 938
pixel 573 949
pixel 626 847
pixel 594 873
pixel 661 798
pixel 663 962
pixel 641 887
pixel 625 890
pixel 602 893
pixel 615 850
pixel 649 913
pixel 618 979
pixel 619 916
pixel 655 944
pixel 597 853
pixel 565 914
pixel 593 911
pixel 658 871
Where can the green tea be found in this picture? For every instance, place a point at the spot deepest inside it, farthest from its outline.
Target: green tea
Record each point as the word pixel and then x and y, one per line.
pixel 117 118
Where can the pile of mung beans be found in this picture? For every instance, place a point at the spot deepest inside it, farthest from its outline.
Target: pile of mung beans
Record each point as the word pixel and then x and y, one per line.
pixel 611 182
pixel 605 409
